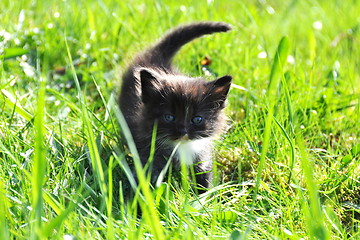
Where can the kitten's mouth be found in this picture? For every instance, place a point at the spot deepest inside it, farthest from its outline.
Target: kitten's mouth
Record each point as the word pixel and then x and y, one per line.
pixel 184 138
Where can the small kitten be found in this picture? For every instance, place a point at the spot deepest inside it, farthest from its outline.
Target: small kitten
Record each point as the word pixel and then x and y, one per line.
pixel 187 111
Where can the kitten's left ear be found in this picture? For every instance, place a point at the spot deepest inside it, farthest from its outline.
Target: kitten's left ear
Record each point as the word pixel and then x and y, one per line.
pixel 149 85
pixel 220 89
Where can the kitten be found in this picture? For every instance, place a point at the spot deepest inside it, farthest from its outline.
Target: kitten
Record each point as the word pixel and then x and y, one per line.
pixel 187 111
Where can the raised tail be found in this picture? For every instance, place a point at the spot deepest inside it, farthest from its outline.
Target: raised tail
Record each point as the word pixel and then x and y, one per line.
pixel 160 54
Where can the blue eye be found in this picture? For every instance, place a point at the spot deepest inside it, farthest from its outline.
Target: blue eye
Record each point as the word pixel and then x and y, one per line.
pixel 196 120
pixel 168 118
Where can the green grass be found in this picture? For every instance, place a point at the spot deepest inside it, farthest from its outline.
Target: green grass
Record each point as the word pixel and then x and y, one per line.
pixel 286 168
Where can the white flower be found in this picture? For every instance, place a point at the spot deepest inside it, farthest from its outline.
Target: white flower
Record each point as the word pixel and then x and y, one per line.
pixel 262 55
pixel 317 25
pixel 290 59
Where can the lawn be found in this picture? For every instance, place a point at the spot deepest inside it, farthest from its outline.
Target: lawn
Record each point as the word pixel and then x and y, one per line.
pixel 287 167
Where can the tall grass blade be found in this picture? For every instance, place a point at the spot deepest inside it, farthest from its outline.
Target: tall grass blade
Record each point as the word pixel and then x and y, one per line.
pixel 39 164
pixel 313 213
pixel 109 222
pixel 91 141
pixel 4 233
pixel 275 77
pixel 277 68
pixel 147 203
pixel 289 137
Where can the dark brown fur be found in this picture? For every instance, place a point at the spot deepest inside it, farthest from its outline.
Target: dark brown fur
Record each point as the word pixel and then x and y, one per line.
pixel 185 109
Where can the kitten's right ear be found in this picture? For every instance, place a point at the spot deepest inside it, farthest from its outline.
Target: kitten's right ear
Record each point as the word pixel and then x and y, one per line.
pixel 149 85
pixel 219 90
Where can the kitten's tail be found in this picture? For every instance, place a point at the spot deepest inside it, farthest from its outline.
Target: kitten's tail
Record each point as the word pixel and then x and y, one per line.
pixel 161 54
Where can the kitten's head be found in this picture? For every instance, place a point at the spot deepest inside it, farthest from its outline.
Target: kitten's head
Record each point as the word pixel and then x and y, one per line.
pixel 184 108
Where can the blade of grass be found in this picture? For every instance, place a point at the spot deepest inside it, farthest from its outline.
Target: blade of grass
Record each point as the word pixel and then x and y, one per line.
pixel 277 68
pixel 125 167
pixel 109 222
pixel 285 81
pixel 292 147
pixel 91 141
pixel 56 222
pixel 11 101
pixel 163 172
pixel 313 213
pixel 65 99
pixel 152 148
pixel 4 233
pixel 105 104
pixel 13 52
pixel 61 211
pixel 39 164
pixel 275 76
pixel 148 204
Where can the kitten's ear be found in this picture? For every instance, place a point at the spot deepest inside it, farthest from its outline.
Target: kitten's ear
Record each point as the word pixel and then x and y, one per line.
pixel 219 90
pixel 149 85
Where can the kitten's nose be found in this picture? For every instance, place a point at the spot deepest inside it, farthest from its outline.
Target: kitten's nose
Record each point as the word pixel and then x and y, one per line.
pixel 182 130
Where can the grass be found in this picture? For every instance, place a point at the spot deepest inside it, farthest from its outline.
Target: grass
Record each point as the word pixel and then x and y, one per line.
pixel 286 168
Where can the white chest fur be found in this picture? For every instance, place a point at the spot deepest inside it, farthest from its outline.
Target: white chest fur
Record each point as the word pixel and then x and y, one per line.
pixel 188 150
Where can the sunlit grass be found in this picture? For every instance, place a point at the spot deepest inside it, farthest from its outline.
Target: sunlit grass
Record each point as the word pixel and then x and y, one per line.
pixel 286 168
